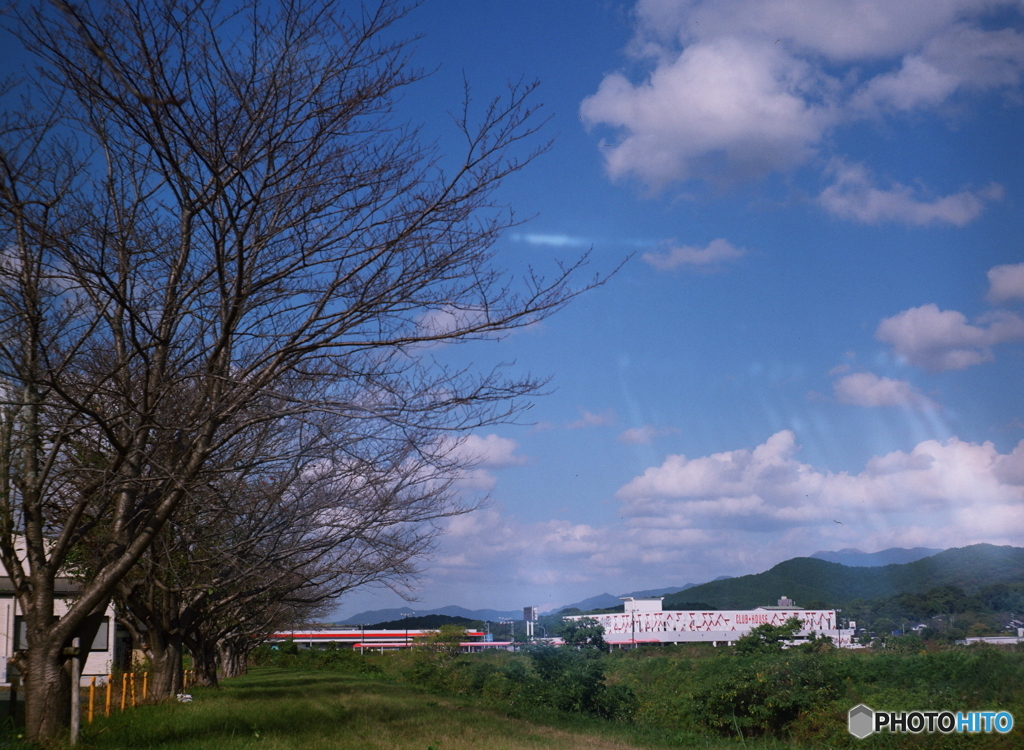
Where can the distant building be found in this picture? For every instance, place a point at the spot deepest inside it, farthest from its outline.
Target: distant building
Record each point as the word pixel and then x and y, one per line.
pixel 644 622
pixel 996 640
pixel 375 639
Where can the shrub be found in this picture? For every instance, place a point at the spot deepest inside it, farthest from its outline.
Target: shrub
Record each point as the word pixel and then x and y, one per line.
pixel 764 693
pixel 434 664
pixel 574 681
pixel 768 639
pixel 584 633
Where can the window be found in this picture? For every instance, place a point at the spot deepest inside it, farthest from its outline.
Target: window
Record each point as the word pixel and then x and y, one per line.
pixel 20 636
pixel 102 640
pixel 100 643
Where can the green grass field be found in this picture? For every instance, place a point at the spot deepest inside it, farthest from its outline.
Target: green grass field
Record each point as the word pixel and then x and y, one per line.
pixel 291 708
pixel 278 709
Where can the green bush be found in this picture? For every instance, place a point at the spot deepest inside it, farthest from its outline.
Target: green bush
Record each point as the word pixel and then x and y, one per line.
pixel 574 681
pixel 584 633
pixel 762 694
pixel 288 655
pixel 435 663
pixel 768 639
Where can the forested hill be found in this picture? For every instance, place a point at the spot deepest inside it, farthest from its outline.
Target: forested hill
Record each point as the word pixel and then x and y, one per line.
pixel 817 583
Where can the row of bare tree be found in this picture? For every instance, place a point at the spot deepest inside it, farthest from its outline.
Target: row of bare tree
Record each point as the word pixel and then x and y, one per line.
pixel 225 264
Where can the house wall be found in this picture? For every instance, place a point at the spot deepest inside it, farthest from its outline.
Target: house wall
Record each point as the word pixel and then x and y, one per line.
pixel 97 664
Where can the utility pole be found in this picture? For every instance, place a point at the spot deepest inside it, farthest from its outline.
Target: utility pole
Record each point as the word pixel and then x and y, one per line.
pixel 76 688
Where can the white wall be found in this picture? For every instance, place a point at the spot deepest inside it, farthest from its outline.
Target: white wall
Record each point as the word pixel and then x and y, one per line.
pixel 721 625
pixel 97 664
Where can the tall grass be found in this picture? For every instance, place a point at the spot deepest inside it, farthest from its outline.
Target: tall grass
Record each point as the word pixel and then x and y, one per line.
pixel 694 695
pixel 684 697
pixel 279 709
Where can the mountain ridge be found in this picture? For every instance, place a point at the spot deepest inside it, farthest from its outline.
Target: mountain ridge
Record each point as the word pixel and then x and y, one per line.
pixel 373 616
pixel 813 582
pixel 854 558
pixel 807 580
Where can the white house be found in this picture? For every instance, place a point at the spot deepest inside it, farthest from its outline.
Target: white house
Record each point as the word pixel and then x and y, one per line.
pixel 12 631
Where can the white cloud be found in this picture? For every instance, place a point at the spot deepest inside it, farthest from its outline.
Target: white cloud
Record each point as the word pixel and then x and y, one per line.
pixel 744 510
pixel 716 253
pixel 840 30
pixel 736 512
pixel 939 485
pixel 477 455
pixel 868 389
pixel 721 107
pixel 644 435
pixel 721 475
pixel 1006 283
pixel 740 88
pixel 548 552
pixel 943 339
pixel 552 240
pixel 918 83
pixel 593 419
pixel 1010 468
pixel 853 196
pixel 447 320
pixel 961 58
pixel 491 451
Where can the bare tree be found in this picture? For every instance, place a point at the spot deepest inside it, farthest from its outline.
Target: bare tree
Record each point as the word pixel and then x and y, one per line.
pixel 222 212
pixel 333 518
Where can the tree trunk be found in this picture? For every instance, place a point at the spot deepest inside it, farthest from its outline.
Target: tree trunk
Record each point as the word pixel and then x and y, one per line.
pixel 204 657
pixel 156 622
pixel 47 678
pixel 232 660
pixel 164 652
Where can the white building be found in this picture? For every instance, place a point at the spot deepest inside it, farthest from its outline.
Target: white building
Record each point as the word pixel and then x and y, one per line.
pixel 12 631
pixel 644 622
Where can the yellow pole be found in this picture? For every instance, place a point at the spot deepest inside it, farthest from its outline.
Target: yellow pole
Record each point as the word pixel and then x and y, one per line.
pixel 145 686
pixel 132 683
pixel 110 680
pixel 124 689
pixel 92 696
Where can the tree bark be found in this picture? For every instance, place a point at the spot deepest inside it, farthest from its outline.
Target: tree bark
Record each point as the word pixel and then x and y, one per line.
pixel 47 677
pixel 232 660
pixel 204 659
pixel 167 675
pixel 153 616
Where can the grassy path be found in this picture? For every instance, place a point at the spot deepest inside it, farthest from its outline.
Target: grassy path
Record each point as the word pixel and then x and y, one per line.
pixel 277 709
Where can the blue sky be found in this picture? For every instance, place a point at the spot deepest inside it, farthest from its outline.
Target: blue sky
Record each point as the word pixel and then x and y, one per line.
pixel 817 340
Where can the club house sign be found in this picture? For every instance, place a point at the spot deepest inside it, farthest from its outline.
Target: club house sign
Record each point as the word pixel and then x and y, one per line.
pixel 644 621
